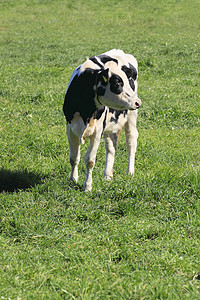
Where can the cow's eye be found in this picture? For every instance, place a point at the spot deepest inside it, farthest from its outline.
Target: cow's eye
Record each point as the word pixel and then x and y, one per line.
pixel 118 82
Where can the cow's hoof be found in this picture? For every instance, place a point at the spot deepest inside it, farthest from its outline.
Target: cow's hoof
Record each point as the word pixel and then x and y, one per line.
pixel 108 177
pixel 74 179
pixel 130 173
pixel 88 189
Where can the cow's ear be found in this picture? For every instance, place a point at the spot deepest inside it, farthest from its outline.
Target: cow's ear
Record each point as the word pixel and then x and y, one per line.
pixel 102 81
pixel 102 77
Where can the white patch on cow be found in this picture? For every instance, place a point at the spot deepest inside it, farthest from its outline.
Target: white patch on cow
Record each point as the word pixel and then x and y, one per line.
pixel 132 60
pixel 91 126
pixel 88 64
pixel 77 125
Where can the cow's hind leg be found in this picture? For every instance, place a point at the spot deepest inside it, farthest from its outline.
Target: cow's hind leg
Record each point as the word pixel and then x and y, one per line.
pixel 111 146
pixel 74 146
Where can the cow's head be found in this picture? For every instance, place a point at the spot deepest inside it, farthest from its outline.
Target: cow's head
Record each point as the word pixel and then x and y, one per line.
pixel 116 87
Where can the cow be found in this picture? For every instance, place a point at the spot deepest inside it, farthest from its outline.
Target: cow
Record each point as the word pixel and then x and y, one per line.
pixel 101 99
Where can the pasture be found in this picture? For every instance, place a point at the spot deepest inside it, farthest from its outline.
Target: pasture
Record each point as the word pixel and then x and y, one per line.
pixel 130 238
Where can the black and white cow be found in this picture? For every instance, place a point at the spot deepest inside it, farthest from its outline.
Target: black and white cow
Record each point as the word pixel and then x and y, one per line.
pixel 102 98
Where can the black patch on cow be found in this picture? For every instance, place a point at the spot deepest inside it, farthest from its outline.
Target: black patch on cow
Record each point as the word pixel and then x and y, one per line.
pixel 101 90
pixel 132 84
pixel 130 71
pixel 116 114
pixel 134 71
pixel 104 121
pixel 94 60
pixel 131 74
pixel 105 58
pixel 127 71
pixel 116 84
pixel 98 113
pixel 80 96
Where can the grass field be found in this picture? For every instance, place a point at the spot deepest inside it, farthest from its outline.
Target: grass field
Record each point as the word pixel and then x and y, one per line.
pixel 131 238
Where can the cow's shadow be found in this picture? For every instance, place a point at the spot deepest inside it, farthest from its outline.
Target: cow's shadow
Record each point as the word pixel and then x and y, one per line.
pixel 74 185
pixel 11 181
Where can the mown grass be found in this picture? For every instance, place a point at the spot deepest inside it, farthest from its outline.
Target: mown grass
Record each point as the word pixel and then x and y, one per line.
pixel 131 238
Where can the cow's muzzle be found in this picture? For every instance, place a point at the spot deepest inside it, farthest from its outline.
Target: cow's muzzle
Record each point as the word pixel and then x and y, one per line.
pixel 138 103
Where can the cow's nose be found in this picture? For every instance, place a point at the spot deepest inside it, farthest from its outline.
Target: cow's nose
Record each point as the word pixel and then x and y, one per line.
pixel 138 103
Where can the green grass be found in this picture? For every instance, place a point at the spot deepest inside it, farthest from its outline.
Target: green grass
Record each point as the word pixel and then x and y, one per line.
pixel 131 238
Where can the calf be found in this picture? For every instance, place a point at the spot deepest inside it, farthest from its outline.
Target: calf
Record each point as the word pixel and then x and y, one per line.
pixel 101 98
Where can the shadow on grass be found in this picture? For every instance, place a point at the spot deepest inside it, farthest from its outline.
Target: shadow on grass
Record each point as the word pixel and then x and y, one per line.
pixel 75 186
pixel 11 181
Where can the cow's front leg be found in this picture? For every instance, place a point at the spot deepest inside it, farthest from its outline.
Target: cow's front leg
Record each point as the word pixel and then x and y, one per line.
pixel 74 146
pixel 131 144
pixel 90 157
pixel 111 140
